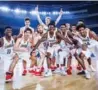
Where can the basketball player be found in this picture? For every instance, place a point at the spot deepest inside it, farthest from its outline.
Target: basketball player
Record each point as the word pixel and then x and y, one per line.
pixel 27 25
pixel 89 38
pixel 48 19
pixel 7 44
pixel 67 26
pixel 50 36
pixel 63 51
pixel 74 31
pixel 65 40
pixel 76 44
pixel 35 58
pixel 22 50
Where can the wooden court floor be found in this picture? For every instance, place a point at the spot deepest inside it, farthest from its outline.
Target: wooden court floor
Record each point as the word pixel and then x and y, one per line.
pixel 57 82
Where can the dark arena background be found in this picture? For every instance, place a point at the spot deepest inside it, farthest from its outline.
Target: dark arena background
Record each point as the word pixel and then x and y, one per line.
pixel 73 11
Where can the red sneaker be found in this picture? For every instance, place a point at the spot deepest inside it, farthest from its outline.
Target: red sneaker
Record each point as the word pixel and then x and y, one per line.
pixel 32 71
pixel 53 68
pixel 42 69
pixel 69 71
pixel 79 68
pixel 24 73
pixel 70 68
pixel 38 72
pixel 9 76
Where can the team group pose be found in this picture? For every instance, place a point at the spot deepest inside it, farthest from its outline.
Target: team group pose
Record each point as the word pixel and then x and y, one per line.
pixel 49 50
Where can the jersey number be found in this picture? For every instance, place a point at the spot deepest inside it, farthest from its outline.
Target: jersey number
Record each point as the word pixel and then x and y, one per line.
pixel 8 51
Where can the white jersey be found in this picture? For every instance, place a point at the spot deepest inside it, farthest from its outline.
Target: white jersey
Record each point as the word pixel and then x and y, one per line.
pixel 7 48
pixel 25 44
pixel 63 45
pixel 66 36
pixel 86 40
pixel 53 38
pixel 75 33
pixel 45 28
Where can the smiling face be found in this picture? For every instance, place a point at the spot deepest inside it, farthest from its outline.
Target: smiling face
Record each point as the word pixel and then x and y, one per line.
pixel 73 28
pixel 40 28
pixel 27 23
pixel 51 28
pixel 63 28
pixel 82 31
pixel 27 33
pixel 47 20
pixel 8 32
pixel 68 26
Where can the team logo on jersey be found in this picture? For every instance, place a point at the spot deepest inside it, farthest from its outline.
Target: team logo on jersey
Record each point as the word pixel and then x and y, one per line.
pixel 24 45
pixel 8 46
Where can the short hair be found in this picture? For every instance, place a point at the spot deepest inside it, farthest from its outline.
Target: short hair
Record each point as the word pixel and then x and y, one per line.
pixel 8 27
pixel 48 17
pixel 73 25
pixel 81 20
pixel 63 25
pixel 40 25
pixel 52 23
pixel 67 23
pixel 79 26
pixel 28 29
pixel 27 19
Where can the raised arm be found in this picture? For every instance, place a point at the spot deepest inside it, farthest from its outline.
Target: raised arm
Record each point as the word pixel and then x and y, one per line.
pixel 38 17
pixel 59 17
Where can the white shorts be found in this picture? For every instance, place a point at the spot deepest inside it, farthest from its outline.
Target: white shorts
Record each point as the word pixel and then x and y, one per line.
pixel 24 56
pixel 78 51
pixel 53 49
pixel 41 51
pixel 87 53
pixel 7 61
pixel 93 47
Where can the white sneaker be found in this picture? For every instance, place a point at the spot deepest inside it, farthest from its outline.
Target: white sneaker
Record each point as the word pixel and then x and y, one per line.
pixel 62 71
pixel 48 73
pixel 57 71
pixel 92 68
pixel 87 74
